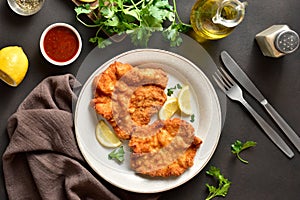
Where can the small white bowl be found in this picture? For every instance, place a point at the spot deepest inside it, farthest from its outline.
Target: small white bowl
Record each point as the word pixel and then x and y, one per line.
pixel 16 6
pixel 57 61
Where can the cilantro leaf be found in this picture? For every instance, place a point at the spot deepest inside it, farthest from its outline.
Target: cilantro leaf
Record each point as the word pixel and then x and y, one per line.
pixel 117 154
pixel 237 147
pixel 223 184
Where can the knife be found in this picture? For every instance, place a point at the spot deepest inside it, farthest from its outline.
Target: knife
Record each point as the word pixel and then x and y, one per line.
pixel 244 80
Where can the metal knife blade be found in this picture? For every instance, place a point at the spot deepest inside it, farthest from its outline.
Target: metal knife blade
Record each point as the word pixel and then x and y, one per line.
pixel 244 80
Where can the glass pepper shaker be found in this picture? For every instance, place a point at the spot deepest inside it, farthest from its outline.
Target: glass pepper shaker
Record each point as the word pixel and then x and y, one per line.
pixel 277 41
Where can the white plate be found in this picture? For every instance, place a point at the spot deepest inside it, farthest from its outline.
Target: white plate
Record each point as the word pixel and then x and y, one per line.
pixel 207 122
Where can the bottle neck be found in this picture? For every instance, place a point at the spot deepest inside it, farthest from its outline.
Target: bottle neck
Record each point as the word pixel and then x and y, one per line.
pixel 230 13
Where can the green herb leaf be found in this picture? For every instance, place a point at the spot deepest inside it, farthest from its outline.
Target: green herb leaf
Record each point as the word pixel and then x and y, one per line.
pixel 170 91
pixel 173 36
pixel 83 9
pixel 223 184
pixel 237 147
pixel 117 154
pixel 107 12
pixel 192 118
pixel 101 42
pixel 162 11
pixel 133 13
pixel 140 36
pixel 112 21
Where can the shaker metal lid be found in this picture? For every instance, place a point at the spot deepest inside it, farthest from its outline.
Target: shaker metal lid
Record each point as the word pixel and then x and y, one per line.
pixel 287 41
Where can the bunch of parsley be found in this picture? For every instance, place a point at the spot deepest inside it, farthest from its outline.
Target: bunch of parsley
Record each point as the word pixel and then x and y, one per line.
pixel 138 18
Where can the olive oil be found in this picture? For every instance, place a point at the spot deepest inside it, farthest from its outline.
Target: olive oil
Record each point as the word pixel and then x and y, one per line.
pixel 215 19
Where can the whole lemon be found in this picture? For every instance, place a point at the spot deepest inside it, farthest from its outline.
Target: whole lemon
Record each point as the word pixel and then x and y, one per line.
pixel 13 65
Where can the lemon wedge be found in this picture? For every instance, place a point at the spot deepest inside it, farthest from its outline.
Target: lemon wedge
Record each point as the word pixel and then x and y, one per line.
pixel 13 65
pixel 184 100
pixel 168 109
pixel 105 136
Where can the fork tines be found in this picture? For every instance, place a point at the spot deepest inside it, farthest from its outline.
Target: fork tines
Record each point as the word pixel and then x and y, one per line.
pixel 223 79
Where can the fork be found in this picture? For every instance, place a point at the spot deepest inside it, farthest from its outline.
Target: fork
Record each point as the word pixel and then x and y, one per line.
pixel 234 92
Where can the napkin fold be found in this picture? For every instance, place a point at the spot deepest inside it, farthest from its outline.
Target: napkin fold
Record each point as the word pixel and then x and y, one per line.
pixel 42 160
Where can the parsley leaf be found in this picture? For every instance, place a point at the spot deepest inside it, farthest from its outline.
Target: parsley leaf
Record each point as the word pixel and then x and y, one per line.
pixel 170 91
pixel 223 184
pixel 192 118
pixel 100 41
pixel 117 154
pixel 239 146
pixel 141 36
pixel 83 9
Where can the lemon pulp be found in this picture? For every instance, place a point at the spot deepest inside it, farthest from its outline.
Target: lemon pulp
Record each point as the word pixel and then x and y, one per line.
pixel 184 100
pixel 169 109
pixel 105 136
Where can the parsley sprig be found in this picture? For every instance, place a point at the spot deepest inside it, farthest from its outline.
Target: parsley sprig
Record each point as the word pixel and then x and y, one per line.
pixel 117 154
pixel 138 18
pixel 223 184
pixel 237 147
pixel 171 90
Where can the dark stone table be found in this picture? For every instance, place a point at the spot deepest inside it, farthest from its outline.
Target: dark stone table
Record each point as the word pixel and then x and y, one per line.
pixel 270 175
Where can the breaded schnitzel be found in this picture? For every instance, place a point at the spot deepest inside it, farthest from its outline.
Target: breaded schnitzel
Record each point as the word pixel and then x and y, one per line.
pixel 105 82
pixel 146 101
pixel 146 76
pixel 165 148
pixel 127 97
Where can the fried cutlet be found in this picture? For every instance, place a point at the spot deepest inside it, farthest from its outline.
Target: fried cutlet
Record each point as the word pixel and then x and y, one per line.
pixel 127 97
pixel 165 148
pixel 105 82
pixel 146 76
pixel 104 85
pixel 146 101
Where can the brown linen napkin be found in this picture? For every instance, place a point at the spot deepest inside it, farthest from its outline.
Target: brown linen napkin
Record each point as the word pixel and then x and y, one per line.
pixel 42 160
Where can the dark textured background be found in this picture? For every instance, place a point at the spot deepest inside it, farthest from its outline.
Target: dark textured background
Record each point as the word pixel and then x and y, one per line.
pixel 270 175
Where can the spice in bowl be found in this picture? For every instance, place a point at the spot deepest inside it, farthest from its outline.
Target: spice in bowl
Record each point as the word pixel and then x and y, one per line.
pixel 60 44
pixel 25 7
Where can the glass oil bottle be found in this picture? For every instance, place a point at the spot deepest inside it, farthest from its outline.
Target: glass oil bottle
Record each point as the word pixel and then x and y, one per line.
pixel 216 19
